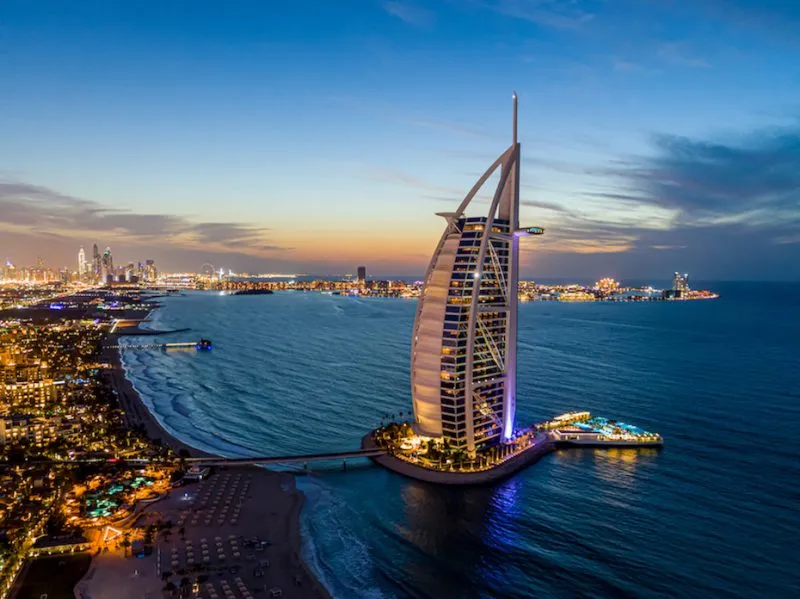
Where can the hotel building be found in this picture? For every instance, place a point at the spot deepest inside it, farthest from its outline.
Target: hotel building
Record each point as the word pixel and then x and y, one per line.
pixel 680 283
pixel 463 355
pixel 36 431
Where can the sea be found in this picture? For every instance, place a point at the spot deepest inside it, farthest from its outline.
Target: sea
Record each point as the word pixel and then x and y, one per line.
pixel 715 513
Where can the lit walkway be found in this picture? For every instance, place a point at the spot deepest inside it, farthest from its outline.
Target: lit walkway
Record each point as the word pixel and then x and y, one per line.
pixel 314 457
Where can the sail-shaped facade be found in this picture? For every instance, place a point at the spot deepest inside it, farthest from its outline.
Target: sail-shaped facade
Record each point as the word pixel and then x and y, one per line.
pixel 463 355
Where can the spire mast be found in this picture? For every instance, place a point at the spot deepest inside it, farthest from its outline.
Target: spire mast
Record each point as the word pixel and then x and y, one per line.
pixel 514 138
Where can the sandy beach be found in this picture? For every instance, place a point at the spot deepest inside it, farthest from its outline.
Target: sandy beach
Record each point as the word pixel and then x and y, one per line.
pixel 238 504
pixel 234 535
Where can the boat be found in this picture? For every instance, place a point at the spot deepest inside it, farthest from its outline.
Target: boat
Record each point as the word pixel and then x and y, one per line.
pixel 203 345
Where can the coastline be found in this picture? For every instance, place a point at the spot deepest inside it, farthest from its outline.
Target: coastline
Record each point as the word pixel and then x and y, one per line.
pixel 289 535
pixel 136 412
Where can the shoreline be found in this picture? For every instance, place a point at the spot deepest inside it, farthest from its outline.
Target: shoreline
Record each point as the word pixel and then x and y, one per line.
pixel 137 413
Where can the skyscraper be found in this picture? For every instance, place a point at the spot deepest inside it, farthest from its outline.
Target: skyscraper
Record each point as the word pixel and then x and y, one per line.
pixel 680 283
pixel 107 265
pixel 150 271
pixel 362 274
pixel 95 261
pixel 463 348
pixel 81 263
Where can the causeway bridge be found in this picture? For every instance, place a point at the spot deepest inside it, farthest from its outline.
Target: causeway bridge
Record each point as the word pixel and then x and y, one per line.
pixel 221 461
pixel 306 459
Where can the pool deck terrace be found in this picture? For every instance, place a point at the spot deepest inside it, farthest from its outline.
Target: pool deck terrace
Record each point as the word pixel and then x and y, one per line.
pixel 543 441
pixel 513 464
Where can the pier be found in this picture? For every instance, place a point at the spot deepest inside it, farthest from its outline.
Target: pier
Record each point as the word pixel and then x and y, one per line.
pixel 210 461
pixel 201 344
pixel 290 459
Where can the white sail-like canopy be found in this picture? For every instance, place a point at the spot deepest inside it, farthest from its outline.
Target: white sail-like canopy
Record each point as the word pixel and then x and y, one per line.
pixel 463 349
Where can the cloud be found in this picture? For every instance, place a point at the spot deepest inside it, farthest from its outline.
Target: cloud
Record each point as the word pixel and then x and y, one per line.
pixel 787 239
pixel 717 207
pixel 557 14
pixel 408 13
pixel 39 211
pixel 728 208
pixel 576 233
pixel 552 206
pixel 754 180
pixel 721 208
pixel 679 54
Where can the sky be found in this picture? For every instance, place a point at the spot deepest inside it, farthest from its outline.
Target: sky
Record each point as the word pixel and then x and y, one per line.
pixel 305 136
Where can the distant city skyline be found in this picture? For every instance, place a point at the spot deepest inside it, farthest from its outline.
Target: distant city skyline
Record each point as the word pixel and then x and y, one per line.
pixel 316 137
pixel 349 271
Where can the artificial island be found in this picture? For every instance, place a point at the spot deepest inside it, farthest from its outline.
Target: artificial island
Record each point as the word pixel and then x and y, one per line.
pixel 463 355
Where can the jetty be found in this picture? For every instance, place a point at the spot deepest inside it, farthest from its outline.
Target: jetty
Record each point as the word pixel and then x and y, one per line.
pixel 201 344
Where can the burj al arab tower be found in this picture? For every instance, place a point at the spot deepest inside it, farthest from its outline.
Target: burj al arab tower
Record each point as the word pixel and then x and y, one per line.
pixel 464 354
pixel 464 343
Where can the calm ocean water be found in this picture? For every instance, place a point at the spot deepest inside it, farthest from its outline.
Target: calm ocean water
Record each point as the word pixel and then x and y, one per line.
pixel 713 514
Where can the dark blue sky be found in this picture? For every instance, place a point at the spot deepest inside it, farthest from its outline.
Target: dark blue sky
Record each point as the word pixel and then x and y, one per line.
pixel 310 136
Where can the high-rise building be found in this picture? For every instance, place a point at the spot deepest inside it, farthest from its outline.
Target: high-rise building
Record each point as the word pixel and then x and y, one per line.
pixel 9 271
pixel 362 274
pixel 607 286
pixel 107 265
pixel 464 342
pixel 81 263
pixel 95 261
pixel 680 283
pixel 150 271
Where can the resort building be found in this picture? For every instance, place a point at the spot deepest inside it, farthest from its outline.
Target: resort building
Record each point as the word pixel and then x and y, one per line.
pixel 60 544
pixel 30 396
pixel 680 283
pixel 463 356
pixel 36 431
